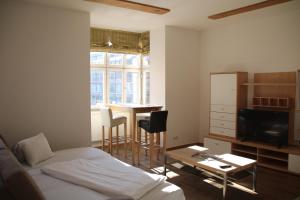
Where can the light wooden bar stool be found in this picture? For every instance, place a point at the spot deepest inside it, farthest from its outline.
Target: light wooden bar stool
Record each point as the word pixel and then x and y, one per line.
pixel 110 121
pixel 153 126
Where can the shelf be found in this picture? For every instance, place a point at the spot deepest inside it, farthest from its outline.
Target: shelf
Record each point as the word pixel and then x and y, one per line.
pixel 274 164
pixel 243 154
pixel 270 84
pixel 244 151
pixel 255 144
pixel 276 167
pixel 273 157
pixel 243 148
pixel 261 106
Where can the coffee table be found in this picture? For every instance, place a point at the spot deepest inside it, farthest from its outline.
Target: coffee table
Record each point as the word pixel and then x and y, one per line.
pixel 199 157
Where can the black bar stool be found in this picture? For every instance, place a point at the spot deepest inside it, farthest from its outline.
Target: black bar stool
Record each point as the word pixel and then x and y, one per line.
pixel 154 126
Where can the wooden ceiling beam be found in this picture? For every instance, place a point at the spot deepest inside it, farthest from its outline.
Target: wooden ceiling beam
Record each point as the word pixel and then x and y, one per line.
pixel 133 6
pixel 247 8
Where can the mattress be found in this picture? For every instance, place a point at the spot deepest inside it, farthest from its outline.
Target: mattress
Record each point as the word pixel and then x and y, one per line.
pixel 55 189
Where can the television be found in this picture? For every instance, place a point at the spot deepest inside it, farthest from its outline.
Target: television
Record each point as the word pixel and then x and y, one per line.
pixel 264 126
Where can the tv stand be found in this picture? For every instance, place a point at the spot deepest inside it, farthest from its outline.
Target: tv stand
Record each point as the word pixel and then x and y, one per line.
pixel 272 91
pixel 269 156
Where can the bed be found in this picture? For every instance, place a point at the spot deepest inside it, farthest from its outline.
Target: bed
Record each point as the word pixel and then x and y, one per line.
pixel 56 189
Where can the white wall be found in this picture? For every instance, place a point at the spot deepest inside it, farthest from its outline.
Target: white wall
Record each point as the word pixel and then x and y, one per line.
pixel 270 44
pixel 175 81
pixel 158 68
pixel 182 83
pixel 44 74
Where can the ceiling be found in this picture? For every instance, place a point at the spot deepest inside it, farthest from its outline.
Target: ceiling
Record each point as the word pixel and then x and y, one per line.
pixel 190 14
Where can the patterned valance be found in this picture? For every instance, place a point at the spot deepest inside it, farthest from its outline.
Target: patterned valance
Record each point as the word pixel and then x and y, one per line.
pixel 122 41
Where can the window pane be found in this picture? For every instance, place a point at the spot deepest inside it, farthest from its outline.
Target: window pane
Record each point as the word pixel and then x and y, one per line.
pixel 115 87
pixel 97 81
pixel 97 58
pixel 146 61
pixel 132 60
pixel 132 87
pixel 115 58
pixel 146 86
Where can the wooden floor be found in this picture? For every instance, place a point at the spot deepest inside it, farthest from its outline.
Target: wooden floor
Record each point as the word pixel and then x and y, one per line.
pixel 197 185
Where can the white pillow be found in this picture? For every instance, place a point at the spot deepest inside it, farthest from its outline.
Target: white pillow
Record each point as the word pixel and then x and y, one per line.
pixel 36 149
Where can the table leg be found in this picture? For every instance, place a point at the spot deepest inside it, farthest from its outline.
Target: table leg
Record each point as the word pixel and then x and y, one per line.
pixel 133 129
pixel 165 165
pixel 254 178
pixel 225 186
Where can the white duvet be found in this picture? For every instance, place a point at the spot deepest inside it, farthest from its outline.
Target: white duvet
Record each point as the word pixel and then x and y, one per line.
pixel 110 177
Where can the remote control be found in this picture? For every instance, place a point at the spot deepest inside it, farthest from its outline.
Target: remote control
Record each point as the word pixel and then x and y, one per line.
pixel 225 166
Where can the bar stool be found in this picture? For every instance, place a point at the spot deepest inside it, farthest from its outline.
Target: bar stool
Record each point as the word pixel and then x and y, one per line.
pixel 110 121
pixel 154 126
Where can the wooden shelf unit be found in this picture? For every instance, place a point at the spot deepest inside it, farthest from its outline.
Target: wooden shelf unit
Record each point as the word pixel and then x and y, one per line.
pixel 277 91
pixel 271 91
pixel 271 102
pixel 266 155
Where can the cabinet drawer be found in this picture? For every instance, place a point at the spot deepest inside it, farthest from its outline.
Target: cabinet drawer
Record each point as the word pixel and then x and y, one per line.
pixel 223 108
pixel 294 163
pixel 223 124
pixel 222 131
pixel 217 146
pixel 223 116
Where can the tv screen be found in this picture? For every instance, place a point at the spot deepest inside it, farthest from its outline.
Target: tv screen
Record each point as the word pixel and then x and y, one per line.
pixel 263 125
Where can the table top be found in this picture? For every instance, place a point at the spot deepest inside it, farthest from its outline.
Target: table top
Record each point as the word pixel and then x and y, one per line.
pixel 198 156
pixel 134 106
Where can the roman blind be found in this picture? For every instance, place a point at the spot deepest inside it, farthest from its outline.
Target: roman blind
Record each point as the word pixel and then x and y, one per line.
pixel 119 41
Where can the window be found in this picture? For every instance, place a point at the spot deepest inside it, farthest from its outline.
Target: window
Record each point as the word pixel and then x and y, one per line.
pixel 133 87
pixel 115 59
pixel 97 58
pixel 115 86
pixel 132 60
pixel 146 87
pixel 116 78
pixel 97 81
pixel 146 61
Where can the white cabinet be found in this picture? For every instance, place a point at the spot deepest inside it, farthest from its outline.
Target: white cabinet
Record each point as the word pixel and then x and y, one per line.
pixel 224 102
pixel 223 89
pixel 217 146
pixel 294 163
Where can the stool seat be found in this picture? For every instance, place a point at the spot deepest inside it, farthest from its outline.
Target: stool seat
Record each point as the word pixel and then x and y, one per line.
pixel 117 120
pixel 144 124
pixel 109 120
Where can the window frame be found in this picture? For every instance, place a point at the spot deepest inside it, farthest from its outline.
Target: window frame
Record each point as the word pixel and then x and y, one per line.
pixel 144 85
pixel 114 65
pixel 124 69
pixel 132 66
pixel 139 84
pixel 108 84
pixel 104 86
pixel 99 65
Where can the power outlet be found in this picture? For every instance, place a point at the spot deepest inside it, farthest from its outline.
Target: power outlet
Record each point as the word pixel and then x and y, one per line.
pixel 175 138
